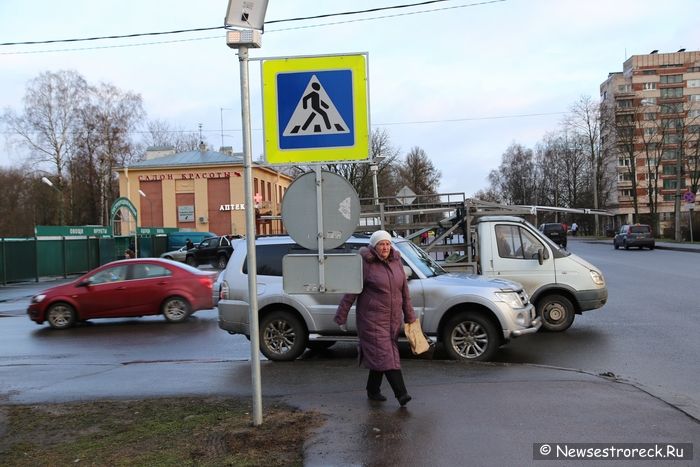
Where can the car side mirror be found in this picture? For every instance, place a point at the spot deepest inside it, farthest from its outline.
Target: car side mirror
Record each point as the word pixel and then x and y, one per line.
pixel 408 271
pixel 85 283
pixel 540 256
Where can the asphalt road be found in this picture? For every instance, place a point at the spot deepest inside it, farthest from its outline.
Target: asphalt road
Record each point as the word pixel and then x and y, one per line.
pixel 646 334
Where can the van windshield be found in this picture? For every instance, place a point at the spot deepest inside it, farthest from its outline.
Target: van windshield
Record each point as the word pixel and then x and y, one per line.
pixel 419 258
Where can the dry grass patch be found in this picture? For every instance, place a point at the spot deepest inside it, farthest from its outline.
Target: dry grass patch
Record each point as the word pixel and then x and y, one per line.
pixel 154 432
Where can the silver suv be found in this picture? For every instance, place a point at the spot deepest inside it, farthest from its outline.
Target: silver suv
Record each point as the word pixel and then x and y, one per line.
pixel 472 316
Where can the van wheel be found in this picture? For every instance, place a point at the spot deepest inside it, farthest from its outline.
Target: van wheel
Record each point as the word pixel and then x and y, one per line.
pixel 283 336
pixel 557 313
pixel 60 316
pixel 470 336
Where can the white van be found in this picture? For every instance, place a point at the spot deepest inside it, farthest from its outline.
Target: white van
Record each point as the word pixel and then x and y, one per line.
pixel 559 283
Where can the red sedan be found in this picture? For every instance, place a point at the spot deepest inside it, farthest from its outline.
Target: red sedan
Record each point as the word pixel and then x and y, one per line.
pixel 127 288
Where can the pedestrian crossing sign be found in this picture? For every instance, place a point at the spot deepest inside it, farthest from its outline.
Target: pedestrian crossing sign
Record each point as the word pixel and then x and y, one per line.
pixel 315 109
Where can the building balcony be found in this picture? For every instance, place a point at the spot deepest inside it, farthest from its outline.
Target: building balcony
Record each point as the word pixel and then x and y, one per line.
pixel 670 100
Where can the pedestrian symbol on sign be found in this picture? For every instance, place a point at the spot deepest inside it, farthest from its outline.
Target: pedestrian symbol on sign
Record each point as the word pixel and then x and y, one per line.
pixel 315 113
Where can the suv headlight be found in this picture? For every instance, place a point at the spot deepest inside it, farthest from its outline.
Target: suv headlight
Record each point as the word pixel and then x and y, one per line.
pixel 512 299
pixel 597 277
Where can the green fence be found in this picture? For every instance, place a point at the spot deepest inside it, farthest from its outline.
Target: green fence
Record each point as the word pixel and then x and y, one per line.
pixel 26 259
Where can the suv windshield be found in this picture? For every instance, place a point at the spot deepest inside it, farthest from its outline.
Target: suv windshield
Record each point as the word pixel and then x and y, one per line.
pixel 419 258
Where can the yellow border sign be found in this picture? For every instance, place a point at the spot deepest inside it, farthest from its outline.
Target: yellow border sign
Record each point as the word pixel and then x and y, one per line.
pixel 315 109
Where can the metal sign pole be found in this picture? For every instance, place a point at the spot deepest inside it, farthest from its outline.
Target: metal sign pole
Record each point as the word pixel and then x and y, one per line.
pixel 690 218
pixel 250 240
pixel 319 225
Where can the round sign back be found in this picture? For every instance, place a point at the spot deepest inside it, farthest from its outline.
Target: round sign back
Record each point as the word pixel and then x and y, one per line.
pixel 340 210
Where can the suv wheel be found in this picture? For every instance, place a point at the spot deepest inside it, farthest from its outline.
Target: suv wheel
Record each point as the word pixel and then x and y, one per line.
pixel 557 313
pixel 282 336
pixel 191 261
pixel 470 336
pixel 221 262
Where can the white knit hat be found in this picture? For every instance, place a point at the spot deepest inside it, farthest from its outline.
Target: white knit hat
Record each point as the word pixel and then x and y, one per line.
pixel 378 236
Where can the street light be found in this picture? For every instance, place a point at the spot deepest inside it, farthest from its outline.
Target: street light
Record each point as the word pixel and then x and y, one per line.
pixel 374 167
pixel 150 207
pixel 250 15
pixel 60 198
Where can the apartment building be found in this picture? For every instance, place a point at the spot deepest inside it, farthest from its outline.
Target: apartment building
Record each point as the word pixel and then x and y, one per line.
pixel 650 133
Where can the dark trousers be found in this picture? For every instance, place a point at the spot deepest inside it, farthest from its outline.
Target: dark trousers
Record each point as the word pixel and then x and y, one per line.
pixel 395 378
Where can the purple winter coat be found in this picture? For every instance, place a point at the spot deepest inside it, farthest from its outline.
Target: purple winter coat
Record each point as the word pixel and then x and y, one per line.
pixel 382 306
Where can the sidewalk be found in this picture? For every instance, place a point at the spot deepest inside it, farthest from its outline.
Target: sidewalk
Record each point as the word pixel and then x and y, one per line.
pixel 475 414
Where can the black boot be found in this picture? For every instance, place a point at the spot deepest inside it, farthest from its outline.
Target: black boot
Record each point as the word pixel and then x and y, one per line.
pixel 395 378
pixel 376 396
pixel 374 383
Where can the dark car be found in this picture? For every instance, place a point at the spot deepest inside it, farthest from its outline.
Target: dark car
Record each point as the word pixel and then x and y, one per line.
pixel 555 232
pixel 637 235
pixel 126 288
pixel 215 251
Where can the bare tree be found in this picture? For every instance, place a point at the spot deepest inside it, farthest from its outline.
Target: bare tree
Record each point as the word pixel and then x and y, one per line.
pixel 488 194
pixel 514 179
pixel 585 119
pixel 47 125
pixel 360 174
pixel 103 142
pixel 548 171
pixel 79 133
pixel 162 134
pixel 623 133
pixel 418 173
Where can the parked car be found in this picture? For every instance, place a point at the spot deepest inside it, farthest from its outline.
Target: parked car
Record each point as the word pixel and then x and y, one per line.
pixel 179 239
pixel 215 251
pixel 126 288
pixel 176 255
pixel 638 235
pixel 472 316
pixel 555 232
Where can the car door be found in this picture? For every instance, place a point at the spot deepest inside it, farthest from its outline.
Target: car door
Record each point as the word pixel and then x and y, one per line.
pixel 106 293
pixel 514 256
pixel 206 251
pixel 148 286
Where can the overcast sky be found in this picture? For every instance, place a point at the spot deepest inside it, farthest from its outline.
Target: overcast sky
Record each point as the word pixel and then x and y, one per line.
pixel 462 80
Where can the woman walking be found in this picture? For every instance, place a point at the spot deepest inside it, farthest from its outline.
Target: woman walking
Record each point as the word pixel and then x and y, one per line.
pixel 382 306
